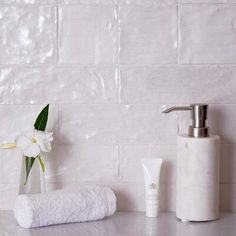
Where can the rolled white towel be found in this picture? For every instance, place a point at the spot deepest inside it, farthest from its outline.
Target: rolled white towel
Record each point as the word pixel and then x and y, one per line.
pixel 64 206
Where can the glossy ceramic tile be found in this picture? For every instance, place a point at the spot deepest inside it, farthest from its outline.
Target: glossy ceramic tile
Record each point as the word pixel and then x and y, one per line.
pixel 27 34
pixel 8 195
pixel 228 164
pixel 145 124
pixel 10 162
pixel 207 34
pixel 5 84
pixel 178 84
pixel 67 164
pixel 66 85
pixel 94 124
pixel 130 196
pixel 114 124
pixel 140 42
pixel 130 161
pixel 87 34
pixel 228 197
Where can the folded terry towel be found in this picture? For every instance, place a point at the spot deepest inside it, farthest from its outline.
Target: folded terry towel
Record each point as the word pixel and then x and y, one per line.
pixel 64 206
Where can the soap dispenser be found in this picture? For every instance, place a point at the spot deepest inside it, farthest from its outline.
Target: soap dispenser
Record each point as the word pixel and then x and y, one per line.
pixel 198 160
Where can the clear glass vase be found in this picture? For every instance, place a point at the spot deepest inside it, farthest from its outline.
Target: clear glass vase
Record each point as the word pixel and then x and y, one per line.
pixel 35 182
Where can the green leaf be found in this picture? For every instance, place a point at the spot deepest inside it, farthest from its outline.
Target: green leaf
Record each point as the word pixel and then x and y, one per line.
pixel 41 163
pixel 41 121
pixel 29 161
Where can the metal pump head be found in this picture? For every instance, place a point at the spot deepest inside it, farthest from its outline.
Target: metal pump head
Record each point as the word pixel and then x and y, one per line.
pixel 199 113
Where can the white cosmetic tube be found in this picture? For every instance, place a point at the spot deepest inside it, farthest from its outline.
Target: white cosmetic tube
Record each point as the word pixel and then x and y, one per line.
pixel 152 174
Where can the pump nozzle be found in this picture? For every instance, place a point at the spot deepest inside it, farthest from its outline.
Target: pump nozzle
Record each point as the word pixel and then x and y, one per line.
pixel 186 108
pixel 198 115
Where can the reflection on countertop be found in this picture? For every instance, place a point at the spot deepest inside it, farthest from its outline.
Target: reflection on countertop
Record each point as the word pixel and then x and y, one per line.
pixel 127 224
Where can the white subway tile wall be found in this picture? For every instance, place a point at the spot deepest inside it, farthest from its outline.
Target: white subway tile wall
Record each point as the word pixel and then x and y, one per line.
pixel 107 67
pixel 151 42
pixel 28 34
pixel 210 27
pixel 87 34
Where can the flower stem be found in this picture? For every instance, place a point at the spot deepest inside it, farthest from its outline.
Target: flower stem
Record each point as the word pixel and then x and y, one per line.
pixel 29 161
pixel 41 163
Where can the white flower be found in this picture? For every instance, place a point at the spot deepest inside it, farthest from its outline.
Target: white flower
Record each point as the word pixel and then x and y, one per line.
pixel 32 145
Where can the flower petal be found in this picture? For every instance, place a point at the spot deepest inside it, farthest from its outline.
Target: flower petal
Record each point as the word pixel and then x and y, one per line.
pixel 43 135
pixel 32 150
pixel 44 145
pixel 22 142
pixel 43 139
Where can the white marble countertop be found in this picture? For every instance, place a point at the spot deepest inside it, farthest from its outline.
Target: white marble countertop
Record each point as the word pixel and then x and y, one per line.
pixel 126 223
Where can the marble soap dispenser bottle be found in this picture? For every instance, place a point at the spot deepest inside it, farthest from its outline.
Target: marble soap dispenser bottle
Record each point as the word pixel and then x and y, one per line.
pixel 198 157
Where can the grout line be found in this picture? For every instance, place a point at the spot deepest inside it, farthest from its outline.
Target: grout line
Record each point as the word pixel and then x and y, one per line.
pixel 208 3
pixel 134 182
pixel 109 104
pixel 119 145
pixel 58 125
pixel 87 4
pixel 57 33
pixel 119 65
pixel 117 3
pixel 58 3
pixel 117 33
pixel 27 5
pixel 118 161
pixel 178 34
pixel 111 182
pixel 180 64
pixel 178 124
pixel 60 64
pixel 118 52
pixel 1 170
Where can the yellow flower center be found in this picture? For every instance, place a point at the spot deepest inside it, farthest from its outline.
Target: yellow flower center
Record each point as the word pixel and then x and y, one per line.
pixel 34 140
